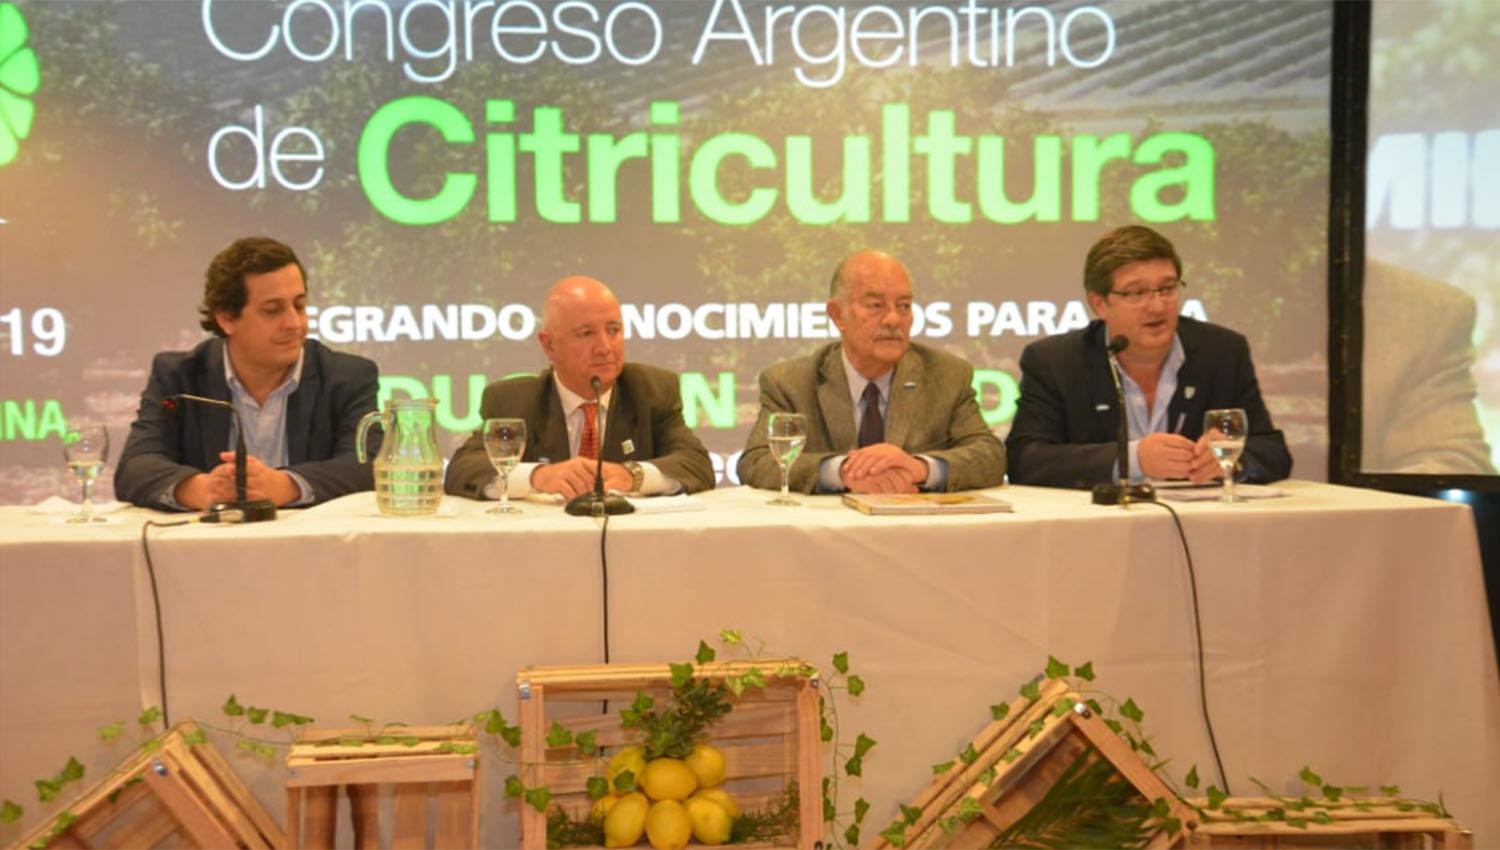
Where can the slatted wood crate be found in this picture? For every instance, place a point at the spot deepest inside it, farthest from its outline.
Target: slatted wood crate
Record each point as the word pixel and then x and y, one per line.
pixel 1384 825
pixel 1037 762
pixel 770 740
pixel 430 788
pixel 171 794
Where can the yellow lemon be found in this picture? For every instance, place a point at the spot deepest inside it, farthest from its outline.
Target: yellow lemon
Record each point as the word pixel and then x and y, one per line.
pixel 632 759
pixel 668 826
pixel 626 820
pixel 668 779
pixel 602 806
pixel 707 764
pixel 723 798
pixel 711 823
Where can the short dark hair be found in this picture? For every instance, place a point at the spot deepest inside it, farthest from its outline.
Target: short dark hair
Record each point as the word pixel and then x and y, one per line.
pixel 1121 247
pixel 224 282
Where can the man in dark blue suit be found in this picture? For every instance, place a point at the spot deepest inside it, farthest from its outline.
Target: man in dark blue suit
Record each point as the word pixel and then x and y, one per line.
pixel 299 401
pixel 1173 371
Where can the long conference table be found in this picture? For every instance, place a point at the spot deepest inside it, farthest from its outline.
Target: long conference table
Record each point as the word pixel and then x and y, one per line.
pixel 1343 629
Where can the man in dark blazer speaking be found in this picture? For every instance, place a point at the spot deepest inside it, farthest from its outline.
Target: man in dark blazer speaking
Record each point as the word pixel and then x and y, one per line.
pixel 1173 370
pixel 884 415
pixel 646 446
pixel 299 401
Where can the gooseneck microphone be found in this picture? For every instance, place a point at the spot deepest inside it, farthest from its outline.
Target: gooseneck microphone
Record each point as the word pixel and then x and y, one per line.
pixel 242 509
pixel 597 503
pixel 1121 491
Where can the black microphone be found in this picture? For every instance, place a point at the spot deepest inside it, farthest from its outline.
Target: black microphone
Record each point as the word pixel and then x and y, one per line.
pixel 242 509
pixel 1121 492
pixel 597 503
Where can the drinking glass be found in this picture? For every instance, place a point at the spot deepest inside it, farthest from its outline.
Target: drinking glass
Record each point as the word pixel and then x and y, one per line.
pixel 786 432
pixel 504 442
pixel 86 448
pixel 1226 431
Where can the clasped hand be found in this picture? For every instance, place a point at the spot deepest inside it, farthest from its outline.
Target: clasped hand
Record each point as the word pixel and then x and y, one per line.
pixel 882 468
pixel 1175 456
pixel 200 491
pixel 576 475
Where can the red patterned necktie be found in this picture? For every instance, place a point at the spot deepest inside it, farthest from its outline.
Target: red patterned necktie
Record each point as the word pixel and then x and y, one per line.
pixel 588 444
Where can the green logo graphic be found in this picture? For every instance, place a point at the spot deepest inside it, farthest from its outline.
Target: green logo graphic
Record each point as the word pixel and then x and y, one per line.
pixel 19 79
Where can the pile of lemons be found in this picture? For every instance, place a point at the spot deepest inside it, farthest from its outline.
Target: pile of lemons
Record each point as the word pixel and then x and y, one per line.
pixel 675 800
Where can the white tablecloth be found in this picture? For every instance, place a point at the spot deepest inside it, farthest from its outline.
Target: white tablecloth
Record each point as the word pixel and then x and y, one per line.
pixel 1344 629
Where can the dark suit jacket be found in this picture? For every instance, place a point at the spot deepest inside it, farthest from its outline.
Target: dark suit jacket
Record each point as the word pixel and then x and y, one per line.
pixel 1067 418
pixel 932 411
pixel 322 415
pixel 646 410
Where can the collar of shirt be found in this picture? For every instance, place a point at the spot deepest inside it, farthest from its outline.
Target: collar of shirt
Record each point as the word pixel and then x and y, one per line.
pixel 1141 420
pixel 572 405
pixel 265 424
pixel 857 383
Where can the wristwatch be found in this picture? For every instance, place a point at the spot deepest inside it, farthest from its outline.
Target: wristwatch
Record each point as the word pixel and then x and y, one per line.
pixel 637 476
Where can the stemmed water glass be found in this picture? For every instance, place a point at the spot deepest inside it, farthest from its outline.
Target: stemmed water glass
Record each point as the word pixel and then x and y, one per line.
pixel 504 442
pixel 1226 430
pixel 86 448
pixel 786 433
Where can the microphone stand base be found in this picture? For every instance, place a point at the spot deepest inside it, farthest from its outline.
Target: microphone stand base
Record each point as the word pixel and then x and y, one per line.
pixel 1123 494
pixel 251 510
pixel 592 504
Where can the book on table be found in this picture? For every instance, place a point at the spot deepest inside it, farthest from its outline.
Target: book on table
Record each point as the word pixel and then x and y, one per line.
pixel 878 504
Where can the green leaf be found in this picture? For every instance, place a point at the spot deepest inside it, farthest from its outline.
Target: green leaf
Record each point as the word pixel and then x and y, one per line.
pixel 855 766
pixel 1322 818
pixel 11 812
pixel 1357 790
pixel 1034 728
pixel 112 731
pixel 1333 792
pixel 856 686
pixel 829 812
pixel 587 741
pixel 705 653
pixel 969 755
pixel 625 781
pixel 283 719
pixel 826 730
pixel 1145 746
pixel 360 718
pixel 151 746
pixel 1114 725
pixel 71 772
pixel 1011 755
pixel 195 737
pixel 911 814
pixel 1031 690
pixel 989 775
pixel 969 809
pixel 1094 706
pixel 513 786
pixel 559 735
pixel 1191 780
pixel 149 716
pixel 511 735
pixel 895 834
pixel 463 749
pixel 999 710
pixel 863 744
pixel 681 674
pixel 47 790
pixel 597 787
pixel 1297 823
pixel 1311 778
pixel 948 824
pixel 256 716
pixel 408 740
pixel 754 678
pixel 861 808
pixel 1172 826
pixel 1363 807
pixel 1056 669
pixel 1063 706
pixel 643 702
pixel 1216 797
pixel 735 684
pixel 841 662
pixel 385 740
pixel 731 636
pixel 1085 671
pixel 1159 808
pixel 1391 790
pixel 1405 807
pixel 942 767
pixel 851 835
pixel 538 798
pixel 1131 711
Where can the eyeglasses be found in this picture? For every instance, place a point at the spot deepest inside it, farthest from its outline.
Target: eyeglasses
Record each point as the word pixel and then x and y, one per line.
pixel 1168 292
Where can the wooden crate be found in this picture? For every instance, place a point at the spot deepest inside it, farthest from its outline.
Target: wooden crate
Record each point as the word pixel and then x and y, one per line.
pixel 432 788
pixel 769 740
pixel 170 794
pixel 1020 784
pixel 1383 825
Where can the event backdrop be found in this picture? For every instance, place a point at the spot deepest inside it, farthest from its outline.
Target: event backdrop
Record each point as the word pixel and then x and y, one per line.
pixel 438 163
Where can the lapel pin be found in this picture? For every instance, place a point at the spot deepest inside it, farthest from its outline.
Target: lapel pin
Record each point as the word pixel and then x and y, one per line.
pixel 1188 392
pixel 911 385
pixel 628 447
pixel 1101 407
